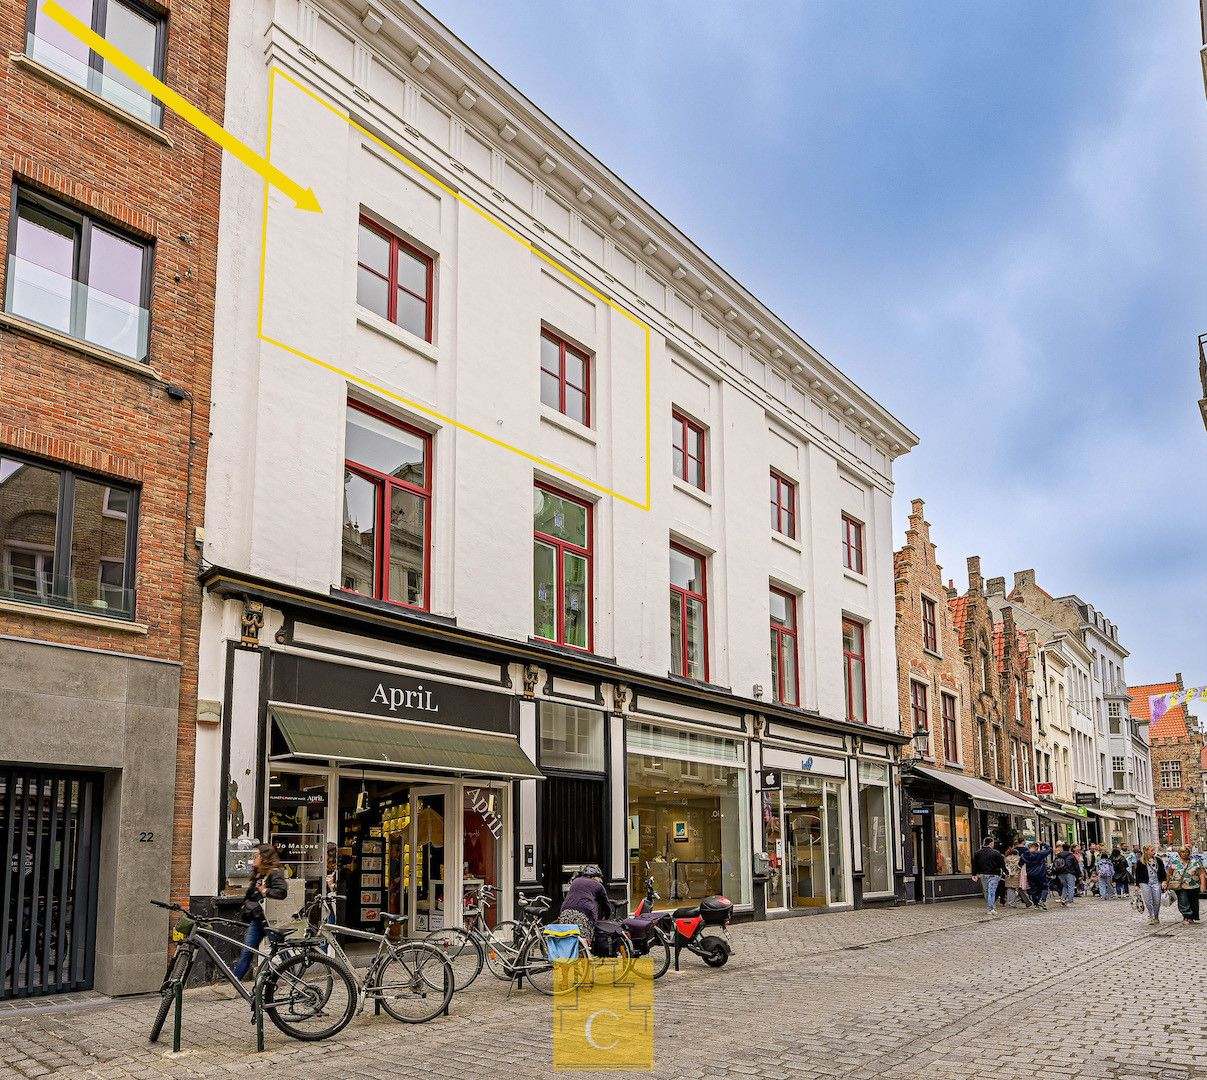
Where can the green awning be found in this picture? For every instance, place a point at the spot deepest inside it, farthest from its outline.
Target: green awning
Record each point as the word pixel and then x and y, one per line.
pixel 388 742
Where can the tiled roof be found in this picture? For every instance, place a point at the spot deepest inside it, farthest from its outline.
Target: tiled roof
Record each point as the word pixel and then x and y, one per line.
pixel 958 606
pixel 1172 725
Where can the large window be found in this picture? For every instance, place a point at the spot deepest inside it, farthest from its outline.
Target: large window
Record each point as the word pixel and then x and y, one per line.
pixel 943 854
pixel 571 738
pixel 854 679
pixel 387 508
pixel 689 814
pixel 565 378
pixel 874 827
pixel 981 747
pixel 66 540
pixel 689 613
pixel 963 841
pixel 394 279
pixel 852 544
pixel 783 648
pixel 1171 774
pixel 78 276
pixel 1118 774
pixel 687 450
pixel 136 30
pixel 951 733
pixel 919 714
pixel 561 568
pixel 930 625
pixel 783 505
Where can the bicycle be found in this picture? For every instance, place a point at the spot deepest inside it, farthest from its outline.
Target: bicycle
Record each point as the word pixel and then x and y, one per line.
pixel 296 984
pixel 470 947
pixel 412 980
pixel 552 974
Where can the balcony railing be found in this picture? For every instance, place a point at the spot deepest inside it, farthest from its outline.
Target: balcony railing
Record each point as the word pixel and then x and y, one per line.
pixel 115 88
pixel 87 595
pixel 51 299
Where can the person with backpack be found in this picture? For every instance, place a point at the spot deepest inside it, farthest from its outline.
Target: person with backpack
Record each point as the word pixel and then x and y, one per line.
pixel 1068 873
pixel 1106 873
pixel 1035 860
pixel 1122 878
pixel 988 867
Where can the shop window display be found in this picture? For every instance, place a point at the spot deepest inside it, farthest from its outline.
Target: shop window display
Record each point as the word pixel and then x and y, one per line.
pixel 963 840
pixel 803 836
pixel 942 861
pixel 874 827
pixel 483 845
pixel 297 828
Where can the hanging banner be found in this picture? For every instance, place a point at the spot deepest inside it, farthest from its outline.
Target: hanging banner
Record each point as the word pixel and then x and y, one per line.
pixel 1160 704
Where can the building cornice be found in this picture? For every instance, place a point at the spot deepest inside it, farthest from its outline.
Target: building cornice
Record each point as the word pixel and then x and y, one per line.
pixel 422 51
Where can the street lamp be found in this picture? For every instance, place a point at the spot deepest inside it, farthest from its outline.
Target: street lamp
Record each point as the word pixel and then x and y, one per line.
pixel 920 740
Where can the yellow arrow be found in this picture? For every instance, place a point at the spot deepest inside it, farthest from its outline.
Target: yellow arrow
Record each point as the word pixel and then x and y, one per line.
pixel 304 199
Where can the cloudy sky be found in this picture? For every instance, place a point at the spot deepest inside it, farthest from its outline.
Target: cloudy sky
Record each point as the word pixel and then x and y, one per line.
pixel 992 216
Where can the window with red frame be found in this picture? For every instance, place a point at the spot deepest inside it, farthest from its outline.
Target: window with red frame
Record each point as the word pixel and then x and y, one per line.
pixel 783 505
pixel 385 550
pixel 930 625
pixel 687 450
pixel 561 565
pixel 783 648
pixel 689 614
pixel 918 706
pixel 951 737
pixel 394 279
pixel 565 378
pixel 852 544
pixel 854 681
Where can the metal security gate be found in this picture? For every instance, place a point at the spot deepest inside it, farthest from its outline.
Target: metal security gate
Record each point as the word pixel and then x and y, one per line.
pixel 50 828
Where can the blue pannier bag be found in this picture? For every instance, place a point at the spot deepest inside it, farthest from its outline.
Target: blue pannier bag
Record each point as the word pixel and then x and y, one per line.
pixel 562 940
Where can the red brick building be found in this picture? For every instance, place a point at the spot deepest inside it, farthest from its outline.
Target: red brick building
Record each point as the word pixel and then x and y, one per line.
pixel 1179 757
pixel 109 217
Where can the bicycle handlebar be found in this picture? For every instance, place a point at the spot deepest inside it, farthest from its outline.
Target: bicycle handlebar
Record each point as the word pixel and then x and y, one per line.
pixel 167 907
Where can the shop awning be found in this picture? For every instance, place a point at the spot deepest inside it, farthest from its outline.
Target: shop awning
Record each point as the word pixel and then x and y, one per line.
pixel 1101 813
pixel 349 739
pixel 984 795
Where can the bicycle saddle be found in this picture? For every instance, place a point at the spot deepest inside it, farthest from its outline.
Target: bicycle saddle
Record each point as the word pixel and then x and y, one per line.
pixel 283 934
pixel 385 916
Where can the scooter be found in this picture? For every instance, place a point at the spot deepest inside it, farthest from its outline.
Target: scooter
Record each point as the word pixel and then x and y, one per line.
pixel 690 924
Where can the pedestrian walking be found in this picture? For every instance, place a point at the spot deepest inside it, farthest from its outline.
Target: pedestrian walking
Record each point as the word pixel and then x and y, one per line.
pixel 1106 873
pixel 988 868
pixel 1150 878
pixel 1122 877
pixel 1083 870
pixel 1188 876
pixel 1068 872
pixel 267 883
pixel 1035 862
pixel 1016 890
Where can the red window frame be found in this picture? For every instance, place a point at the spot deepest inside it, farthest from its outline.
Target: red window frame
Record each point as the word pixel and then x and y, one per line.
pixel 562 546
pixel 930 625
pixel 947 705
pixel 919 705
pixel 779 635
pixel 381 511
pixel 848 656
pixel 683 433
pixel 683 596
pixel 852 544
pixel 781 510
pixel 392 285
pixel 563 347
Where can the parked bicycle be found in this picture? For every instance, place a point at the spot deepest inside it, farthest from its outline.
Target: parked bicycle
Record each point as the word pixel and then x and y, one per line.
pixel 307 994
pixel 557 962
pixel 477 943
pixel 412 980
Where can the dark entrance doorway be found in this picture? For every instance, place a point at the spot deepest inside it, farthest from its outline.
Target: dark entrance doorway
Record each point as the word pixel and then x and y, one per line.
pixel 50 827
pixel 574 827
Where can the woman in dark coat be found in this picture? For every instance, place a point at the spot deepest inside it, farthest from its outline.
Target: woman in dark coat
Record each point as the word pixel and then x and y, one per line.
pixel 267 883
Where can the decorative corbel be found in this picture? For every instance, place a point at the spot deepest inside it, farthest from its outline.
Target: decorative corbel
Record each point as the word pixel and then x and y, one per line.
pixel 531 674
pixel 620 696
pixel 252 624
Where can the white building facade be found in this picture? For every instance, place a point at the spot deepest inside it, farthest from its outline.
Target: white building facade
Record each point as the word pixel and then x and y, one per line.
pixel 494 586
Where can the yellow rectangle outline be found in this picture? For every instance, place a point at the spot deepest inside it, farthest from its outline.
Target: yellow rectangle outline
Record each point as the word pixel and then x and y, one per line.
pixel 273 73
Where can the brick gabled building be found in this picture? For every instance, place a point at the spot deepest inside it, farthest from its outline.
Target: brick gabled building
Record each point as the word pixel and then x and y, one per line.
pixel 1179 760
pixel 109 217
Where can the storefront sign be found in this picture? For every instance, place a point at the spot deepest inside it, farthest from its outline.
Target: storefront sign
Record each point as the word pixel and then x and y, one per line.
pixel 795 761
pixel 342 688
pixel 481 805
pixel 770 779
pixel 1085 798
pixel 1044 789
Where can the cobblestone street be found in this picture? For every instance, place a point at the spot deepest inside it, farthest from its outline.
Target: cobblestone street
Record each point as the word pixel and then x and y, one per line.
pixel 940 992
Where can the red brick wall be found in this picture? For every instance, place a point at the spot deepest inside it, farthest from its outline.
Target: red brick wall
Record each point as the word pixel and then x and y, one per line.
pixel 59 404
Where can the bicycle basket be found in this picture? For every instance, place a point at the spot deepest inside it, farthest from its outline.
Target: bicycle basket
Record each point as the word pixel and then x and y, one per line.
pixel 561 940
pixel 184 926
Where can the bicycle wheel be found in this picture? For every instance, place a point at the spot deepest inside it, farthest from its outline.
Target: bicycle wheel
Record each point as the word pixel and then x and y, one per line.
pixel 415 983
pixel 462 951
pixel 659 955
pixel 613 970
pixel 309 996
pixel 178 971
pixel 502 947
pixel 551 977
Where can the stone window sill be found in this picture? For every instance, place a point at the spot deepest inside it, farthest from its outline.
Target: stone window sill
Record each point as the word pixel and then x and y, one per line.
pixel 570 427
pixel 36 67
pixel 692 491
pixel 84 348
pixel 78 618
pixel 370 320
pixel 859 579
pixel 787 541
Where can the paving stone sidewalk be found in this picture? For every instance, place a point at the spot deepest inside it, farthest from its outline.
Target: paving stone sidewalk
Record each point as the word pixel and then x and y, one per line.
pixel 937 992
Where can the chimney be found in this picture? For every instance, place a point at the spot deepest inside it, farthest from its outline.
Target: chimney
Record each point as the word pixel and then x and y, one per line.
pixel 1023 577
pixel 1008 627
pixel 916 508
pixel 1178 679
pixel 996 586
pixel 974 573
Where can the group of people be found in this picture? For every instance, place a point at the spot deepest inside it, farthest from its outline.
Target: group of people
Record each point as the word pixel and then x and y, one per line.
pixel 1030 872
